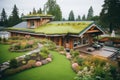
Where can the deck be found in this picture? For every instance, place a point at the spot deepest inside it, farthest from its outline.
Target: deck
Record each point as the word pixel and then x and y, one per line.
pixel 105 51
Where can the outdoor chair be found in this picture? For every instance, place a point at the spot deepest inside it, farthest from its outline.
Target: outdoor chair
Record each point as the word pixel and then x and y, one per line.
pixel 90 49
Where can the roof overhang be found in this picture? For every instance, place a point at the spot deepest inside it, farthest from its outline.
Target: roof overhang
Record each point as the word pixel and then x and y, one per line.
pixel 39 34
pixel 89 28
pixel 37 17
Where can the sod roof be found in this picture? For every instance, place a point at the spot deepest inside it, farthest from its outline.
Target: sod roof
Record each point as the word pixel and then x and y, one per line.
pixel 37 16
pixel 63 27
pixel 58 27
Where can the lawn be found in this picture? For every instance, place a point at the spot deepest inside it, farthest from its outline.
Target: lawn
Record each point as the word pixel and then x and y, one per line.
pixel 6 55
pixel 58 69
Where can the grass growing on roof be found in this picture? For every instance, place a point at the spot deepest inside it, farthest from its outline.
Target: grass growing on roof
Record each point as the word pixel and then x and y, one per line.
pixel 38 15
pixel 63 28
pixel 58 69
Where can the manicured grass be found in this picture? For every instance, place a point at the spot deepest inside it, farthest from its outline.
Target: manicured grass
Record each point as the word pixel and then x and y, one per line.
pixel 58 69
pixel 6 55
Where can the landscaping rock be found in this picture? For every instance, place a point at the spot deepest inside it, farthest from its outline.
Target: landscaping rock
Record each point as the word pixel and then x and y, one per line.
pixel 75 67
pixel 44 61
pixel 49 59
pixel 68 56
pixel 38 63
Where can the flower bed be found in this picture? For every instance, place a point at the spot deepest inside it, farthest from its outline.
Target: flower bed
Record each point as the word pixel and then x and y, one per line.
pixel 28 61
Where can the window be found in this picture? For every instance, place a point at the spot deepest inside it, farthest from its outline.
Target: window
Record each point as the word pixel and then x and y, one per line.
pixel 32 25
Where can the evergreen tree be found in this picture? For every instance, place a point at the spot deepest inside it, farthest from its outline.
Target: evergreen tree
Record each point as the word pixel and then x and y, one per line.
pixel 34 11
pixel 71 16
pixel 51 7
pixel 57 13
pixel 14 18
pixel 3 21
pixel 39 11
pixel 30 13
pixel 63 19
pixel 90 13
pixel 110 14
pixel 22 15
pixel 79 18
pixel 3 15
pixel 83 17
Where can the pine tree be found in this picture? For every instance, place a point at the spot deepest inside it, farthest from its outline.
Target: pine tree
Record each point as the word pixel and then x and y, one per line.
pixel 110 14
pixel 3 15
pixel 51 7
pixel 14 18
pixel 39 11
pixel 90 13
pixel 34 11
pixel 79 18
pixel 71 16
pixel 83 17
pixel 3 21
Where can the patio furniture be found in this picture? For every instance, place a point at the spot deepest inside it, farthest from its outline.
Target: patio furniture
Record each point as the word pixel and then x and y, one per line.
pixel 90 49
pixel 101 44
pixel 96 46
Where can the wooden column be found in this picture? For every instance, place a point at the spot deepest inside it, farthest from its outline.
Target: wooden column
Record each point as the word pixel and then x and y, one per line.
pixel 60 41
pixel 71 43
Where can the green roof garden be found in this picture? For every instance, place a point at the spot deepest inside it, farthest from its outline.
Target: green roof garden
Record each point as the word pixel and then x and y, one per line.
pixel 59 27
pixel 37 15
pixel 63 27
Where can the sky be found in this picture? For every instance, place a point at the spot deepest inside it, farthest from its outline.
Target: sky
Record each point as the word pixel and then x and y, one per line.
pixel 79 7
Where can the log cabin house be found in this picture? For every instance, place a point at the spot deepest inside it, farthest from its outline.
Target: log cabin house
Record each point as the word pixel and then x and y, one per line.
pixel 70 34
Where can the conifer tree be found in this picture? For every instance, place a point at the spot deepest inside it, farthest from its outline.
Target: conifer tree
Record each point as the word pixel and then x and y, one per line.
pixel 3 20
pixel 90 13
pixel 71 16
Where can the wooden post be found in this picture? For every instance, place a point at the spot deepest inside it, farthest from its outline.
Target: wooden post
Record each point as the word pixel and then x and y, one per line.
pixel 71 43
pixel 60 41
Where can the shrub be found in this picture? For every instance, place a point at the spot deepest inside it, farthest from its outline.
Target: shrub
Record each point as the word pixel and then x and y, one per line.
pixel 80 61
pixel 27 57
pixel 44 50
pixel 74 53
pixel 61 48
pixel 4 39
pixel 13 63
pixel 33 54
pixel 43 55
pixel 23 45
pixel 31 62
pixel 15 46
